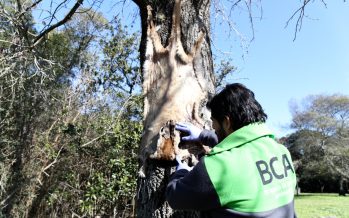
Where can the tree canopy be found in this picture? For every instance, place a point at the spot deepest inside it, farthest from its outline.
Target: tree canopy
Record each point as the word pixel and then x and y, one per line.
pixel 320 145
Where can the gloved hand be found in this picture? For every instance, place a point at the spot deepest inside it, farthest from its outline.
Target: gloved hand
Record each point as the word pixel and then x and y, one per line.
pixel 192 131
pixel 182 165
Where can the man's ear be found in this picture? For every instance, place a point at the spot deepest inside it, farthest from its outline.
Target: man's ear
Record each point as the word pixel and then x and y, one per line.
pixel 227 125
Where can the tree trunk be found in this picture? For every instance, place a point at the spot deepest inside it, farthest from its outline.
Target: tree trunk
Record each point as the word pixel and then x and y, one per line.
pixel 343 188
pixel 178 77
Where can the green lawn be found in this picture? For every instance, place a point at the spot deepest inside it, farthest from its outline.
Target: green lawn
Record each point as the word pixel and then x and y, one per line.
pixel 322 205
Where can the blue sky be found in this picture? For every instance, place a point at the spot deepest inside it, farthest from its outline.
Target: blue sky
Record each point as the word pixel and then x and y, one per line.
pixel 279 69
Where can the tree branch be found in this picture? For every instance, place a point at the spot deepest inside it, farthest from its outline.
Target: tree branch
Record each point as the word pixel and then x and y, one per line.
pixel 299 22
pixel 53 15
pixel 58 24
pixel 29 8
pixel 19 5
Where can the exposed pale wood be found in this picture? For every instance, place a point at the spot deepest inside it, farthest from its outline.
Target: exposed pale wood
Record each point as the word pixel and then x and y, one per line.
pixel 177 79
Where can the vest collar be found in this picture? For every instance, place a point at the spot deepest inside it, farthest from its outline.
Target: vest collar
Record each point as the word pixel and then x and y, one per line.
pixel 242 136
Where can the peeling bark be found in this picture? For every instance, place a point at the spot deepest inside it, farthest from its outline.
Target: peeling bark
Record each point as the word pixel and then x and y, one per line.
pixel 177 80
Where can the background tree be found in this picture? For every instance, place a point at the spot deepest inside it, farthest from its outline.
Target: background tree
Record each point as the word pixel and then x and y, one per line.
pixel 320 143
pixel 24 92
pixel 68 146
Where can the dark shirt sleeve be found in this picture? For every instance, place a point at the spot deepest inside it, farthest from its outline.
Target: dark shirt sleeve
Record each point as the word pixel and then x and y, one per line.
pixel 192 190
pixel 208 137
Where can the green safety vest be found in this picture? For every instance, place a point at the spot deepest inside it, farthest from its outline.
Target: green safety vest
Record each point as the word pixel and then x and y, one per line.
pixel 250 171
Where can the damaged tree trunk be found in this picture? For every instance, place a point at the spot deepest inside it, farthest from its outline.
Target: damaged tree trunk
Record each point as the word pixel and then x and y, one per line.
pixel 177 80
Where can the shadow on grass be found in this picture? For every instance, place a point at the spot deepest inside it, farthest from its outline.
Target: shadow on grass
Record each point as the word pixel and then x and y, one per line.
pixel 306 195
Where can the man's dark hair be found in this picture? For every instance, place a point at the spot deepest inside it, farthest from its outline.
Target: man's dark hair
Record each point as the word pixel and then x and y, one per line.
pixel 239 104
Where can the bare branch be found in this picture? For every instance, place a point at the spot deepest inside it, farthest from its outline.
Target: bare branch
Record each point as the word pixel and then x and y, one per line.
pixel 54 13
pixel 236 3
pixel 19 5
pixel 95 139
pixel 224 14
pixel 12 43
pixel 58 24
pixel 299 22
pixel 323 1
pixel 248 6
pixel 53 162
pixel 30 7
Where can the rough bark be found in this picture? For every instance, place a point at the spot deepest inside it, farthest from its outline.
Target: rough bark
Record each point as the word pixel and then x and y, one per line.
pixel 177 80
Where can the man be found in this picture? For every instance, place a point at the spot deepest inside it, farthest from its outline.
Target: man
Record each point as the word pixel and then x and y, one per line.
pixel 247 174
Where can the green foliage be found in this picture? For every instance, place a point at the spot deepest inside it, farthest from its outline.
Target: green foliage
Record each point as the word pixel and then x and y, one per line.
pixel 121 63
pixel 100 179
pixel 321 113
pixel 319 146
pixel 113 183
pixel 24 89
pixel 68 146
pixel 222 72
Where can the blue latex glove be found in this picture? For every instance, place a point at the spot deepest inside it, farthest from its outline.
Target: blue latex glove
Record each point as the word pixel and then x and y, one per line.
pixel 192 131
pixel 182 165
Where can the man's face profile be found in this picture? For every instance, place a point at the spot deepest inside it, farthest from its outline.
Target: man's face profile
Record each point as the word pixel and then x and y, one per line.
pixel 219 130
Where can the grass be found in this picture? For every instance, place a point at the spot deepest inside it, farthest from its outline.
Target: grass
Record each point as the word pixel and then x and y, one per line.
pixel 316 205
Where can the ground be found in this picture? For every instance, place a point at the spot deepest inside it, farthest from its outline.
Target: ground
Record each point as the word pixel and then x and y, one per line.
pixel 322 205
